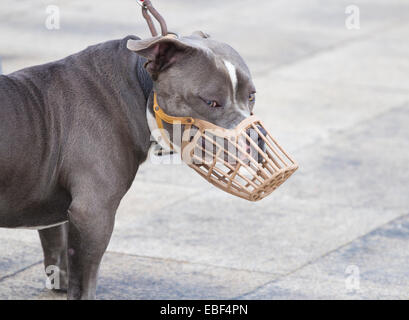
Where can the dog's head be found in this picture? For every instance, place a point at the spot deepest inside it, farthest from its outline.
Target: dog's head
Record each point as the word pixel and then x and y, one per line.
pixel 198 77
pixel 203 79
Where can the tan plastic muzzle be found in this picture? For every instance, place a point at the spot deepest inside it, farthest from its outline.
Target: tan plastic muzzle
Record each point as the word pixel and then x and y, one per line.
pixel 245 161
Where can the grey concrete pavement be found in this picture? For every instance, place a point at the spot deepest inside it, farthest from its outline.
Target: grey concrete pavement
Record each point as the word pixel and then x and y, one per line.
pixel 337 99
pixel 379 256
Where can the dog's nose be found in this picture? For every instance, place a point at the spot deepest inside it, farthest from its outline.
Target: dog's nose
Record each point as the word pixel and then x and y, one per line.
pixel 261 143
pixel 257 137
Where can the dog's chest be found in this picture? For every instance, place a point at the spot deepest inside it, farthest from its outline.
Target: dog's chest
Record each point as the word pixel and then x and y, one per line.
pixel 155 131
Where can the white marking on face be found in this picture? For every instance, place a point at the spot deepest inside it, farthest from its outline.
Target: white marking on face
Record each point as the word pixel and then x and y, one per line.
pixel 243 110
pixel 233 75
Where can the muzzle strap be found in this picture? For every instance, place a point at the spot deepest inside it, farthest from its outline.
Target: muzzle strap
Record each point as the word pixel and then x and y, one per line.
pixel 161 116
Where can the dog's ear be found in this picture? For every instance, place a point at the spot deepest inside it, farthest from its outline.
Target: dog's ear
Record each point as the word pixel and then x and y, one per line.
pixel 200 34
pixel 160 51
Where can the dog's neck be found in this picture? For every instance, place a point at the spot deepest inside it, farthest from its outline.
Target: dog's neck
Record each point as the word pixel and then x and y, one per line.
pixel 144 78
pixel 146 84
pixel 129 85
pixel 150 115
pixel 153 126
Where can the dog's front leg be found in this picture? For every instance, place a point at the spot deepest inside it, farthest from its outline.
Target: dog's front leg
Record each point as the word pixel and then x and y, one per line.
pixel 90 228
pixel 54 243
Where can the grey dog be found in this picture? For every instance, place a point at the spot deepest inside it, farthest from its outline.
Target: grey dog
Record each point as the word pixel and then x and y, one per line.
pixel 74 132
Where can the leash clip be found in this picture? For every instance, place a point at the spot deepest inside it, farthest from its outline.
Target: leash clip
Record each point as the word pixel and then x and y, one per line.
pixel 147 8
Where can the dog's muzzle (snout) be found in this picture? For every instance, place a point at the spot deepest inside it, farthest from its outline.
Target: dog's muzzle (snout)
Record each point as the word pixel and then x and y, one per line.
pixel 245 161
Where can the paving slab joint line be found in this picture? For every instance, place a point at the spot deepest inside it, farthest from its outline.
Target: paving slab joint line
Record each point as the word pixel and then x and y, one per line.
pixel 347 85
pixel 342 44
pixel 318 258
pixel 348 129
pixel 20 270
pixel 178 200
pixel 194 263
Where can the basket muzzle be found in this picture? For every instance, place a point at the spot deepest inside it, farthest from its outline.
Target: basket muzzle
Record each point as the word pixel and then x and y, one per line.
pixel 245 161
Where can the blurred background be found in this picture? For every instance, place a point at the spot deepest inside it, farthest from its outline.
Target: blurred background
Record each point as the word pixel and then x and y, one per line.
pixel 332 82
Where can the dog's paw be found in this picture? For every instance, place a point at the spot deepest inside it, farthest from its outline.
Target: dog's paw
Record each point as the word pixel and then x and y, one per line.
pixel 60 285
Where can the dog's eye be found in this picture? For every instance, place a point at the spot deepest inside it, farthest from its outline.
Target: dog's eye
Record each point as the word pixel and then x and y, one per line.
pixel 212 104
pixel 252 97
